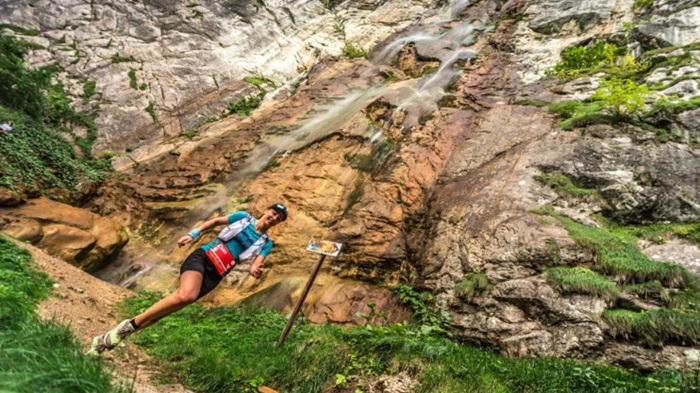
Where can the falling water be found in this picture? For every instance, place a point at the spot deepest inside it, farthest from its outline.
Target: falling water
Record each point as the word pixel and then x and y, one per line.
pixel 442 37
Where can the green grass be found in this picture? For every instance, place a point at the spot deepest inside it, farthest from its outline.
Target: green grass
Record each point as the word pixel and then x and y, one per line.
pixel 89 88
pixel 117 58
pixel 20 30
pixel 659 233
pixel 35 355
pixel 655 327
pixel 133 83
pixel 649 290
pixel 473 285
pixel 675 107
pixel 581 280
pixel 246 105
pixel 563 183
pixel 151 110
pixel 353 51
pixel 231 349
pixel 579 114
pixel 617 255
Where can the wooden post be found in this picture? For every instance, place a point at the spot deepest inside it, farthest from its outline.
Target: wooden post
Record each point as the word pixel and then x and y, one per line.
pixel 300 302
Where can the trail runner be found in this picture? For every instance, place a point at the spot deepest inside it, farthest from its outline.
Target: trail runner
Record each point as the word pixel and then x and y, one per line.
pixel 244 238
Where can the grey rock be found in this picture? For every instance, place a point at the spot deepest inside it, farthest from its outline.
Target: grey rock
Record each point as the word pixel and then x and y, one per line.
pixel 673 23
pixel 552 15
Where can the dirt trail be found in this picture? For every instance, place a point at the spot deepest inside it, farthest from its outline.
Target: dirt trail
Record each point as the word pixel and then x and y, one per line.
pixel 85 303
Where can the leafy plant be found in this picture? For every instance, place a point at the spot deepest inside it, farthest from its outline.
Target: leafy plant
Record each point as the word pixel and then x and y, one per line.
pixel 89 88
pixel 578 59
pixel 621 97
pixel 579 114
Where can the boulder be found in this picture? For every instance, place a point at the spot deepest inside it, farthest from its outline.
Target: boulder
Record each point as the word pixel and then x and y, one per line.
pixel 77 236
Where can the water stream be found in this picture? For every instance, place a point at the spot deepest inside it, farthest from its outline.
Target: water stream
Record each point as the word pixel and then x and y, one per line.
pixel 443 37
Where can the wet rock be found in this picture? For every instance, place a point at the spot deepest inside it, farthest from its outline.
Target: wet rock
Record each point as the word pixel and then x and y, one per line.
pixel 77 236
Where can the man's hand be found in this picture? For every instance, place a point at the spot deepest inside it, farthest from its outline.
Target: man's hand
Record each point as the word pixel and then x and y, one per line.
pixel 184 240
pixel 256 268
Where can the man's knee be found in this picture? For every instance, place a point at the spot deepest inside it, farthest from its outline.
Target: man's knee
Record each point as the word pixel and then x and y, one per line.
pixel 186 297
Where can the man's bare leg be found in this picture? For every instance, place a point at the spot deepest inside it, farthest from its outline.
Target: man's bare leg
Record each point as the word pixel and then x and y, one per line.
pixel 186 293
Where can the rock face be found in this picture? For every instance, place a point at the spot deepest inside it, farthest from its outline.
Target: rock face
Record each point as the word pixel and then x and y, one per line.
pixel 75 235
pixel 421 160
pixel 186 59
pixel 672 23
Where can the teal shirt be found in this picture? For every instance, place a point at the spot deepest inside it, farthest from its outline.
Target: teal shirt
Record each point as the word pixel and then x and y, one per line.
pixel 243 240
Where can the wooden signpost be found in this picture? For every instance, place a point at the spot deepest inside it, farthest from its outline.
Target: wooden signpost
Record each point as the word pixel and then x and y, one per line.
pixel 324 248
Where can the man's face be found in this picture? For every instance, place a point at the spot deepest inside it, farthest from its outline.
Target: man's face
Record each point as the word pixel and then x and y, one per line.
pixel 271 217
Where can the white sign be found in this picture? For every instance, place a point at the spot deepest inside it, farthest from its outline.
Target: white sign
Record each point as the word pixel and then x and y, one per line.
pixel 325 247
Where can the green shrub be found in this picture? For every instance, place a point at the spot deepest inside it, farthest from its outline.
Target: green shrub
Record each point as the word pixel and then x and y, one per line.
pixel 352 51
pixel 579 59
pixel 621 97
pixel 473 285
pixel 561 182
pixel 581 280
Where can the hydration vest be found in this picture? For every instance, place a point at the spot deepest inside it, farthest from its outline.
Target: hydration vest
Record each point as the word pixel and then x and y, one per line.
pixel 221 256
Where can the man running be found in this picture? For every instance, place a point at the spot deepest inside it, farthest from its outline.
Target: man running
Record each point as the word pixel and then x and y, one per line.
pixel 244 238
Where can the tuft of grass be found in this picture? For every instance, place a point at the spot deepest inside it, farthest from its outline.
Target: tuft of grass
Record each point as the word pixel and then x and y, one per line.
pixel 374 161
pixel 579 114
pixel 474 284
pixel 246 105
pixel 581 280
pixel 687 300
pixel 617 255
pixel 38 356
pixel 151 110
pixel 642 4
pixel 658 233
pixel 563 183
pixel 117 58
pixel 532 102
pixel 188 344
pixel 655 327
pixel 89 88
pixel 133 83
pixel 20 30
pixel 649 290
pixel 353 51
pixel 675 107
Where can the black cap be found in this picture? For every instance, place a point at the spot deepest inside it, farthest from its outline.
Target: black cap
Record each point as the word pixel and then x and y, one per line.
pixel 279 208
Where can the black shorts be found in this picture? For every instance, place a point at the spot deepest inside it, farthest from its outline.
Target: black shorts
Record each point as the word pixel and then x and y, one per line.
pixel 199 262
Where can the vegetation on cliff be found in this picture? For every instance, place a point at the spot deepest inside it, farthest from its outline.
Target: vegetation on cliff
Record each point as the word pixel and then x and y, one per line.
pixel 38 355
pixel 35 156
